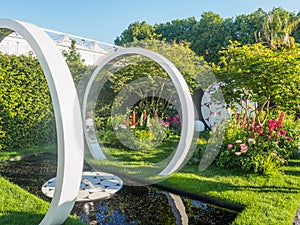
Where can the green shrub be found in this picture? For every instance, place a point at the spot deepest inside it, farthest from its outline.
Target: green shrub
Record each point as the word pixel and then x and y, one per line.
pixel 26 114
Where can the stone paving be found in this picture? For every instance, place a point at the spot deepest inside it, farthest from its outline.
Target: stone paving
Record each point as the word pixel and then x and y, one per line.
pixel 94 186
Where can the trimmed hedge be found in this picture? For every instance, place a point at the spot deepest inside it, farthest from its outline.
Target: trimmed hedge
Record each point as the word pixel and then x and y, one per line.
pixel 26 112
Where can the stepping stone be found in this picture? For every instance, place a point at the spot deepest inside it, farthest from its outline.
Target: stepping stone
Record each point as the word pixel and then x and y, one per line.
pixel 94 186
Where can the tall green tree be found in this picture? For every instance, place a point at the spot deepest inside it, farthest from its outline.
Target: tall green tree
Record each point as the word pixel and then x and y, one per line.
pixel 247 26
pixel 135 32
pixel 208 37
pixel 296 32
pixel 176 30
pixel 74 61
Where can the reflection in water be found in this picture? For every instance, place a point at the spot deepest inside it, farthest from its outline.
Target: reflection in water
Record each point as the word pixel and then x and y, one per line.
pixel 148 205
pixel 131 205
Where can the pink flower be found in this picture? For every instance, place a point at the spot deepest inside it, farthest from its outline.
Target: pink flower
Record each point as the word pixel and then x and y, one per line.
pixel 176 116
pixel 230 146
pixel 162 122
pixel 272 125
pixel 168 117
pixel 280 120
pixel 283 132
pixel 244 148
pixel 167 124
pixel 288 138
pixel 271 122
pixel 175 120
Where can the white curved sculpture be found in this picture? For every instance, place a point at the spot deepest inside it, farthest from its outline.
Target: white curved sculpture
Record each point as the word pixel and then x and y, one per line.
pixel 187 131
pixel 67 116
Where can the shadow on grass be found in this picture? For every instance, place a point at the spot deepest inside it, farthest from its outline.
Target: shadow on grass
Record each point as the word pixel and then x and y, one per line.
pixel 25 218
pixel 204 182
pixel 293 168
pixel 17 218
pixel 267 189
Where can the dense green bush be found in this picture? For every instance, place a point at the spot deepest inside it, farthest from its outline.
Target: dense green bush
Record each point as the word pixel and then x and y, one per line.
pixel 26 114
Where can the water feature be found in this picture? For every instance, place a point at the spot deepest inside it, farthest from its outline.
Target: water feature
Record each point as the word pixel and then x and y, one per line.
pixel 131 205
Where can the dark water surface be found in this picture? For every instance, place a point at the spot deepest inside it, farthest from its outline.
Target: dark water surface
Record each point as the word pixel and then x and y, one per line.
pixel 131 205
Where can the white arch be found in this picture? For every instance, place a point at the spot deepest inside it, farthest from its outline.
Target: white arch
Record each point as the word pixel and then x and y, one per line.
pixel 188 117
pixel 67 116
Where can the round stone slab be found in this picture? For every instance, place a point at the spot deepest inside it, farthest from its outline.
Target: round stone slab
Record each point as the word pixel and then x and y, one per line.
pixel 94 186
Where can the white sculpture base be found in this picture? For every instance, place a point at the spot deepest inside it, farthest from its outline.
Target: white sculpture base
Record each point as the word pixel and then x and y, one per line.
pixel 94 186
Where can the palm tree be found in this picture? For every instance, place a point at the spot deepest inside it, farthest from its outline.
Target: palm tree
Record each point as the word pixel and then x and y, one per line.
pixel 277 28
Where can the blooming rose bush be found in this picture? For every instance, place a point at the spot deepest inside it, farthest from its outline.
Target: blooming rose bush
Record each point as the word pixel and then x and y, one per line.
pixel 261 148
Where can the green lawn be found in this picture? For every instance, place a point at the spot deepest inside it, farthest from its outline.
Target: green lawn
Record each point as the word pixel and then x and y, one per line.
pixel 271 199
pixel 20 207
pixel 17 206
pixel 6 155
pixel 267 199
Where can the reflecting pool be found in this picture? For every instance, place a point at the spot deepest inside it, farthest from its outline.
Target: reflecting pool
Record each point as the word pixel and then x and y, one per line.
pixel 131 205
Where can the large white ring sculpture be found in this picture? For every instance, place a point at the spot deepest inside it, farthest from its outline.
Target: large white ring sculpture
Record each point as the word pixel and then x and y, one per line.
pixel 187 131
pixel 67 116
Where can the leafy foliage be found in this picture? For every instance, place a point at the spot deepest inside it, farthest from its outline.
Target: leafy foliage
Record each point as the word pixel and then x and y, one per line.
pixel 212 32
pixel 176 30
pixel 246 27
pixel 209 36
pixel 26 114
pixel 268 77
pixel 74 61
pixel 135 32
pixel 145 72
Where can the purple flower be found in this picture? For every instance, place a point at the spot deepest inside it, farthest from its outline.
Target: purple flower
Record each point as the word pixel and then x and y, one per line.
pixel 230 146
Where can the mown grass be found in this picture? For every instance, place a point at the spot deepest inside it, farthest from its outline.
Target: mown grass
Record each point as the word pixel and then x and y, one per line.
pixel 17 206
pixel 267 199
pixel 271 199
pixel 6 155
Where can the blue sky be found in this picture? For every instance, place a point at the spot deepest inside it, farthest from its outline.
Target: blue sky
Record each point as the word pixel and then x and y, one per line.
pixel 104 20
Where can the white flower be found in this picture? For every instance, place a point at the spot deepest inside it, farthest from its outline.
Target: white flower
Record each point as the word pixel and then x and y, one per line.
pixel 238 142
pixel 238 153
pixel 251 141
